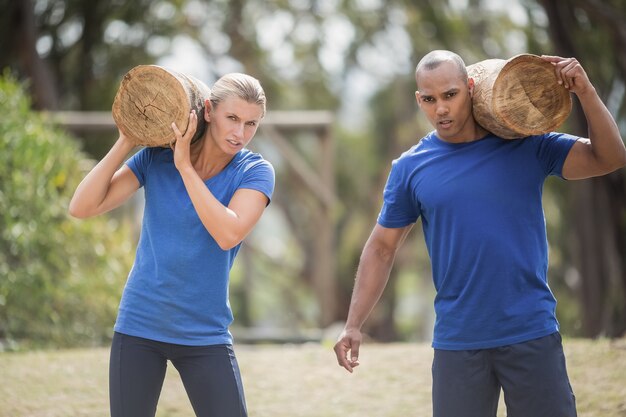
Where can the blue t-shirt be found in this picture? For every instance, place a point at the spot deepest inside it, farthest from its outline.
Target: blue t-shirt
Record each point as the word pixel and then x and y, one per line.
pixel 177 290
pixel 482 216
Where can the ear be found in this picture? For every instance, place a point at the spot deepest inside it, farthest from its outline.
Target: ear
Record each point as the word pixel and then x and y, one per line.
pixel 208 106
pixel 470 86
pixel 418 99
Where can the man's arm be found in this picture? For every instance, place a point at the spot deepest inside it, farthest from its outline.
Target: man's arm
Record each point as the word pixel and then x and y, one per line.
pixel 604 151
pixel 371 278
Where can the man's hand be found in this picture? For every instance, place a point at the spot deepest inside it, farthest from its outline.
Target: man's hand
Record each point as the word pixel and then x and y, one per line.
pixel 570 74
pixel 349 341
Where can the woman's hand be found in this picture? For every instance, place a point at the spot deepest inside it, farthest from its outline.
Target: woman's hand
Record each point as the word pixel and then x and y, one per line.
pixel 182 143
pixel 125 141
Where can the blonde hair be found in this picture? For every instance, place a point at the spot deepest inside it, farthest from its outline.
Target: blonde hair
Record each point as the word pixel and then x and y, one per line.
pixel 238 85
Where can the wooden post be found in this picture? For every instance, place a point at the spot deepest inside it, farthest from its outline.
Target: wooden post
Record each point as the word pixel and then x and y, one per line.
pixel 325 263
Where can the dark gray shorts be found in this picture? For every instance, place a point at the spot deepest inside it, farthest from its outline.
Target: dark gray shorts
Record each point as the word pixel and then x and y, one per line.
pixel 532 376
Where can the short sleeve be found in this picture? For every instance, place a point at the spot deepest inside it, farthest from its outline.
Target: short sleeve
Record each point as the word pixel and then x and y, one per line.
pixel 138 163
pixel 259 175
pixel 552 150
pixel 399 204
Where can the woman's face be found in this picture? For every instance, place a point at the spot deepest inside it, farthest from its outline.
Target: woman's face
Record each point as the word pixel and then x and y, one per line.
pixel 233 123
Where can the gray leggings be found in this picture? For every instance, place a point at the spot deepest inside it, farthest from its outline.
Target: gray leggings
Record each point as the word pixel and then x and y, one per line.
pixel 210 375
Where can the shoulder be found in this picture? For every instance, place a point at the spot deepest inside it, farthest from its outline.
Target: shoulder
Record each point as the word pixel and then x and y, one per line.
pixel 251 159
pixel 420 150
pixel 552 137
pixel 550 143
pixel 247 161
pixel 153 154
pixel 149 156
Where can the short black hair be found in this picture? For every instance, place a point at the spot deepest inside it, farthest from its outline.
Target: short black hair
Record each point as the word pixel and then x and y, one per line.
pixel 437 57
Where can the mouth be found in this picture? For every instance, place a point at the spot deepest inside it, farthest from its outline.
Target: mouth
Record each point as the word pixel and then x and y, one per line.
pixel 445 123
pixel 233 142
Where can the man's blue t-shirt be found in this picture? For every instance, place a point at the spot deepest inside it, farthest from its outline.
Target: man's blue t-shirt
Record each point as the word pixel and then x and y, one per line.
pixel 481 208
pixel 177 290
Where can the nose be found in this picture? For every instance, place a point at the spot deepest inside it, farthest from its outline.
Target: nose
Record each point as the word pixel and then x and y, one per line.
pixel 238 130
pixel 442 110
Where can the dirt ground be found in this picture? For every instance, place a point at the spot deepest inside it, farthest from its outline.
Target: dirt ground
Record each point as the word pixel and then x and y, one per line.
pixel 295 381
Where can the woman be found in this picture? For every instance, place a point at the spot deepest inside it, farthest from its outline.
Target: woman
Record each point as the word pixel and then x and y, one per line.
pixel 202 199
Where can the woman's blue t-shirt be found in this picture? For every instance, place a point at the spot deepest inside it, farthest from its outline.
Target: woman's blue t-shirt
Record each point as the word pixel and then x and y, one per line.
pixel 177 290
pixel 481 208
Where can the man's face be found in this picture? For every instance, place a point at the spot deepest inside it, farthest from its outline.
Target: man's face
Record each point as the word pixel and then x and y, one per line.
pixel 445 98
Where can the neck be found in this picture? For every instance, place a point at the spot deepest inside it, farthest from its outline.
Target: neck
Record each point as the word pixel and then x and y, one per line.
pixel 470 133
pixel 477 133
pixel 207 159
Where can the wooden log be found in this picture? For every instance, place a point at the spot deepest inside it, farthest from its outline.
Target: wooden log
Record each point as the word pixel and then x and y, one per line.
pixel 518 97
pixel 151 97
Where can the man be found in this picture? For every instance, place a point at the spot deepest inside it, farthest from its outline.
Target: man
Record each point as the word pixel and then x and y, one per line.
pixel 479 198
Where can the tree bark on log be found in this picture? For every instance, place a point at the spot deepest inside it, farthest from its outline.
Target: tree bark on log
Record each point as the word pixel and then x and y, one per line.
pixel 150 98
pixel 518 97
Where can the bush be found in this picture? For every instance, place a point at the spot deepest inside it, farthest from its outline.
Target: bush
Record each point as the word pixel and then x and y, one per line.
pixel 60 278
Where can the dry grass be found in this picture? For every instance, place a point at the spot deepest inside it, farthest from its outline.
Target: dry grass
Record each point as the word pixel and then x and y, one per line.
pixel 303 380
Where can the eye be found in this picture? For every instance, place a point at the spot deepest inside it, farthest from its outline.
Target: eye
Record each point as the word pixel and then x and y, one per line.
pixel 252 123
pixel 428 99
pixel 451 94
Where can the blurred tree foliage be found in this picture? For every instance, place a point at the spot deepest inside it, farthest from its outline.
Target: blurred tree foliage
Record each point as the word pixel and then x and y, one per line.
pixel 595 223
pixel 355 58
pixel 75 51
pixel 306 60
pixel 55 287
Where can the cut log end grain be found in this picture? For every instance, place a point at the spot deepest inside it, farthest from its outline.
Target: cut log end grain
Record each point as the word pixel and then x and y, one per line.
pixel 518 97
pixel 150 98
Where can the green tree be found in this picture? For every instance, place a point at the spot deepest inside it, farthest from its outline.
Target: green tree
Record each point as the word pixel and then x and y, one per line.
pixel 593 32
pixel 60 279
pixel 315 55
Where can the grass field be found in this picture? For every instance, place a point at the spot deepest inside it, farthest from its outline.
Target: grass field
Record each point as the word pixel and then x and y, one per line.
pixel 294 380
